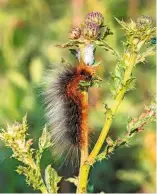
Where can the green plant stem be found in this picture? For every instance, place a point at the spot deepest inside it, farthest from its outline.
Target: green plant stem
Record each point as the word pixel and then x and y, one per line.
pixel 36 167
pixel 109 117
pixel 83 178
pixel 84 169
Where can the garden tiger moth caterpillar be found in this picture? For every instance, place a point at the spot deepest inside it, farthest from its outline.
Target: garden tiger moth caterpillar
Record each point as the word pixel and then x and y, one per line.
pixel 67 108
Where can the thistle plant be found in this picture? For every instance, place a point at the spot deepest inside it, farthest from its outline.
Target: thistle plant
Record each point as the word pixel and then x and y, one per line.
pixel 16 138
pixel 83 42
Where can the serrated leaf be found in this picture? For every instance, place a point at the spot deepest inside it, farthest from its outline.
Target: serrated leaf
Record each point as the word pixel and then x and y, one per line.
pixel 71 43
pixel 112 89
pixel 130 84
pixel 138 123
pixel 122 23
pixel 119 71
pixel 106 47
pixel 116 79
pixel 150 51
pixel 73 180
pixel 21 169
pixel 44 140
pixel 52 179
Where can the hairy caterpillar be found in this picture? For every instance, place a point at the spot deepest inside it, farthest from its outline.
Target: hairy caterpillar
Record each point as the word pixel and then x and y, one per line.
pixel 67 110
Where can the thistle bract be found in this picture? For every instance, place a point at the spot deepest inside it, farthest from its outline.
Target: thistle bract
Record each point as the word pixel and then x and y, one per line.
pixel 91 31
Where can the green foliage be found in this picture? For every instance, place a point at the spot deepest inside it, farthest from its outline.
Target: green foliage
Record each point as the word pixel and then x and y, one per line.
pixel 73 180
pixel 134 126
pixel 51 179
pixel 33 177
pixel 116 80
pixel 103 44
pixel 148 116
pixel 15 137
pixel 26 48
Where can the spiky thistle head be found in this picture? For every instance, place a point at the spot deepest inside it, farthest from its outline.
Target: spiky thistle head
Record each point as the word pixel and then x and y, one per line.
pixel 139 32
pixel 75 33
pixel 144 22
pixel 95 18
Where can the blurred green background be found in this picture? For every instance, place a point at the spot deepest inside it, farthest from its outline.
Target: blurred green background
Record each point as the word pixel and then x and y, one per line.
pixel 29 30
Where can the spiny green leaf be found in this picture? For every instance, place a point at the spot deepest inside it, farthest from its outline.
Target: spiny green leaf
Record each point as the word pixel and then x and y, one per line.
pixel 106 47
pixel 150 51
pixel 130 84
pixel 44 140
pixel 73 180
pixel 33 177
pixel 119 71
pixel 138 123
pixel 116 79
pixel 122 23
pixel 52 179
pixel 71 43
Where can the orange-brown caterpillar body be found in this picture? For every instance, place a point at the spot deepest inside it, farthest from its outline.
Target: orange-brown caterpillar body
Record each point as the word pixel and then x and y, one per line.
pixel 67 109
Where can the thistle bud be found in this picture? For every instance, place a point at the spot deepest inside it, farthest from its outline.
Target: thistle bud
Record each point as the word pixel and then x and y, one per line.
pixel 91 31
pixel 144 22
pixel 95 17
pixel 75 33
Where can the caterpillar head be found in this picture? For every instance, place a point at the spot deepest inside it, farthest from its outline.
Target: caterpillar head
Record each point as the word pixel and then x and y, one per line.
pixel 88 77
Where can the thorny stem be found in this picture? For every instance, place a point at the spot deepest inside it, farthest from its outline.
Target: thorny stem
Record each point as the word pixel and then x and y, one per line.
pixel 43 188
pixel 84 168
pixel 110 114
